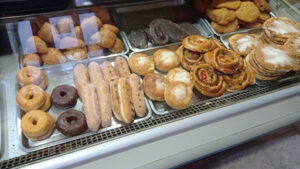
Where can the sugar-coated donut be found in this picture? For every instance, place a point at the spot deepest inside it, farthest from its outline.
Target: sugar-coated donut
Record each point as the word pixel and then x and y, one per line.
pixel 31 97
pixel 71 123
pixel 37 125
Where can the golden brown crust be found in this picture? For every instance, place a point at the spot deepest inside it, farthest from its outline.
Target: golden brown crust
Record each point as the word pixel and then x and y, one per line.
pixel 103 38
pixel 30 75
pixel 208 81
pixel 154 86
pixel 224 60
pixel 124 93
pixel 197 43
pixel 231 27
pixel 76 54
pixel 232 4
pixel 53 56
pixel 36 45
pixel 111 28
pixel 248 12
pixel 180 75
pixel 69 42
pixel 138 97
pixel 262 5
pixel 32 59
pixel 115 98
pixel 47 103
pixel 117 46
pixel 48 33
pixel 108 71
pixel 78 33
pixel 31 97
pixel 165 60
pixel 141 64
pixel 178 95
pixel 263 17
pixel 221 16
pixel 122 67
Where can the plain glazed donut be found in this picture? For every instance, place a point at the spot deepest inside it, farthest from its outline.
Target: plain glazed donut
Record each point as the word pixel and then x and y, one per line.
pixel 30 75
pixel 31 97
pixel 71 123
pixel 37 125
pixel 64 96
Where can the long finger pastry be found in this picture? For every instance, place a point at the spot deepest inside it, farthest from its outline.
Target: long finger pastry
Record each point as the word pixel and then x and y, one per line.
pixel 138 97
pixel 81 77
pixel 122 67
pixel 95 73
pixel 108 71
pixel 115 101
pixel 124 93
pixel 103 94
pixel 91 107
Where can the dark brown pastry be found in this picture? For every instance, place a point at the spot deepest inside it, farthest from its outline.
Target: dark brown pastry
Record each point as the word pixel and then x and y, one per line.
pixel 64 96
pixel 71 123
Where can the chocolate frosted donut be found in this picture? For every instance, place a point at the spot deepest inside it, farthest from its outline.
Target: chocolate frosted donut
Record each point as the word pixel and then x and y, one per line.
pixel 71 123
pixel 64 96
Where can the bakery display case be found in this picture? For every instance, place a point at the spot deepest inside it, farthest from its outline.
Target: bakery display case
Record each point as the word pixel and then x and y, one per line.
pixel 143 84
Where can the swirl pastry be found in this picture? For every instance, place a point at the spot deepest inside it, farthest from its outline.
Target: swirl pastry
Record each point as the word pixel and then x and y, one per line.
pixel 208 81
pixel 197 43
pixel 240 80
pixel 188 57
pixel 224 60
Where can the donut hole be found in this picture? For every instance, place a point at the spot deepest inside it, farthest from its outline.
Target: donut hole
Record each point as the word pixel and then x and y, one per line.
pixel 62 94
pixel 34 121
pixel 30 96
pixel 71 119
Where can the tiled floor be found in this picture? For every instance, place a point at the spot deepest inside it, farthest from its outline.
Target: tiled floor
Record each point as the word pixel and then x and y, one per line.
pixel 277 150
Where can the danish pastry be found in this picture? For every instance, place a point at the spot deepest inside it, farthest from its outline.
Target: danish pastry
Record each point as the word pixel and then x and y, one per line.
pixel 141 64
pixel 178 95
pixel 32 59
pixel 53 56
pixel 208 81
pixel 224 60
pixel 36 45
pixel 37 125
pixel 165 60
pixel 180 75
pixel 48 33
pixel 247 12
pixel 243 44
pixel 231 27
pixel 229 4
pixel 197 43
pixel 76 54
pixel 154 86
pixel 278 30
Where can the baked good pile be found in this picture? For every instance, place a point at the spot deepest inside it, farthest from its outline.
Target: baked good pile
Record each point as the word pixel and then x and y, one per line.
pixel 273 53
pixel 56 40
pixel 229 15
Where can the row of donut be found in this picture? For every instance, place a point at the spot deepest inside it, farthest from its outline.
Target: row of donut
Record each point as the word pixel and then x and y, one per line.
pixel 59 42
pixel 207 65
pixel 274 52
pixel 105 89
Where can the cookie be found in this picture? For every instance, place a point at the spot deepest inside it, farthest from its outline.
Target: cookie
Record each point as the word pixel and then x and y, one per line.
pixel 231 27
pixel 229 4
pixel 262 5
pixel 221 16
pixel 247 12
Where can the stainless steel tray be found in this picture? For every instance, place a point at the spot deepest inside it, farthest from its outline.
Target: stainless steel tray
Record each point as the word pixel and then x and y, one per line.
pixel 198 26
pixel 224 39
pixel 58 75
pixel 2 96
pixel 161 108
pixel 206 21
pixel 106 53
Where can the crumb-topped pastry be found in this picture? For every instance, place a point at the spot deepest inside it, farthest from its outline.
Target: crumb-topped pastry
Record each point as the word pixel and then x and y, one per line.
pixel 243 44
pixel 278 30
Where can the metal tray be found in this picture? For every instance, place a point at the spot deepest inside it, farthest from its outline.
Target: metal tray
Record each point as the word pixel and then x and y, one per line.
pixel 58 75
pixel 106 53
pixel 2 96
pixel 161 108
pixel 206 21
pixel 199 27
pixel 289 76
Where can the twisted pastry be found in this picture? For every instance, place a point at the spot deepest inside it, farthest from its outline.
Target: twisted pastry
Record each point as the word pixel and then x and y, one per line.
pixel 188 57
pixel 207 81
pixel 224 60
pixel 198 43
pixel 240 80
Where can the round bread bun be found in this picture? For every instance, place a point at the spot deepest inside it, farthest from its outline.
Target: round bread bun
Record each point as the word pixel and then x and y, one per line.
pixel 179 75
pixel 141 64
pixel 165 60
pixel 154 86
pixel 178 95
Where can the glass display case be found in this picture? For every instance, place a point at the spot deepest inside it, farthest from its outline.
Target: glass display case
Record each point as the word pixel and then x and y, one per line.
pixel 142 84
